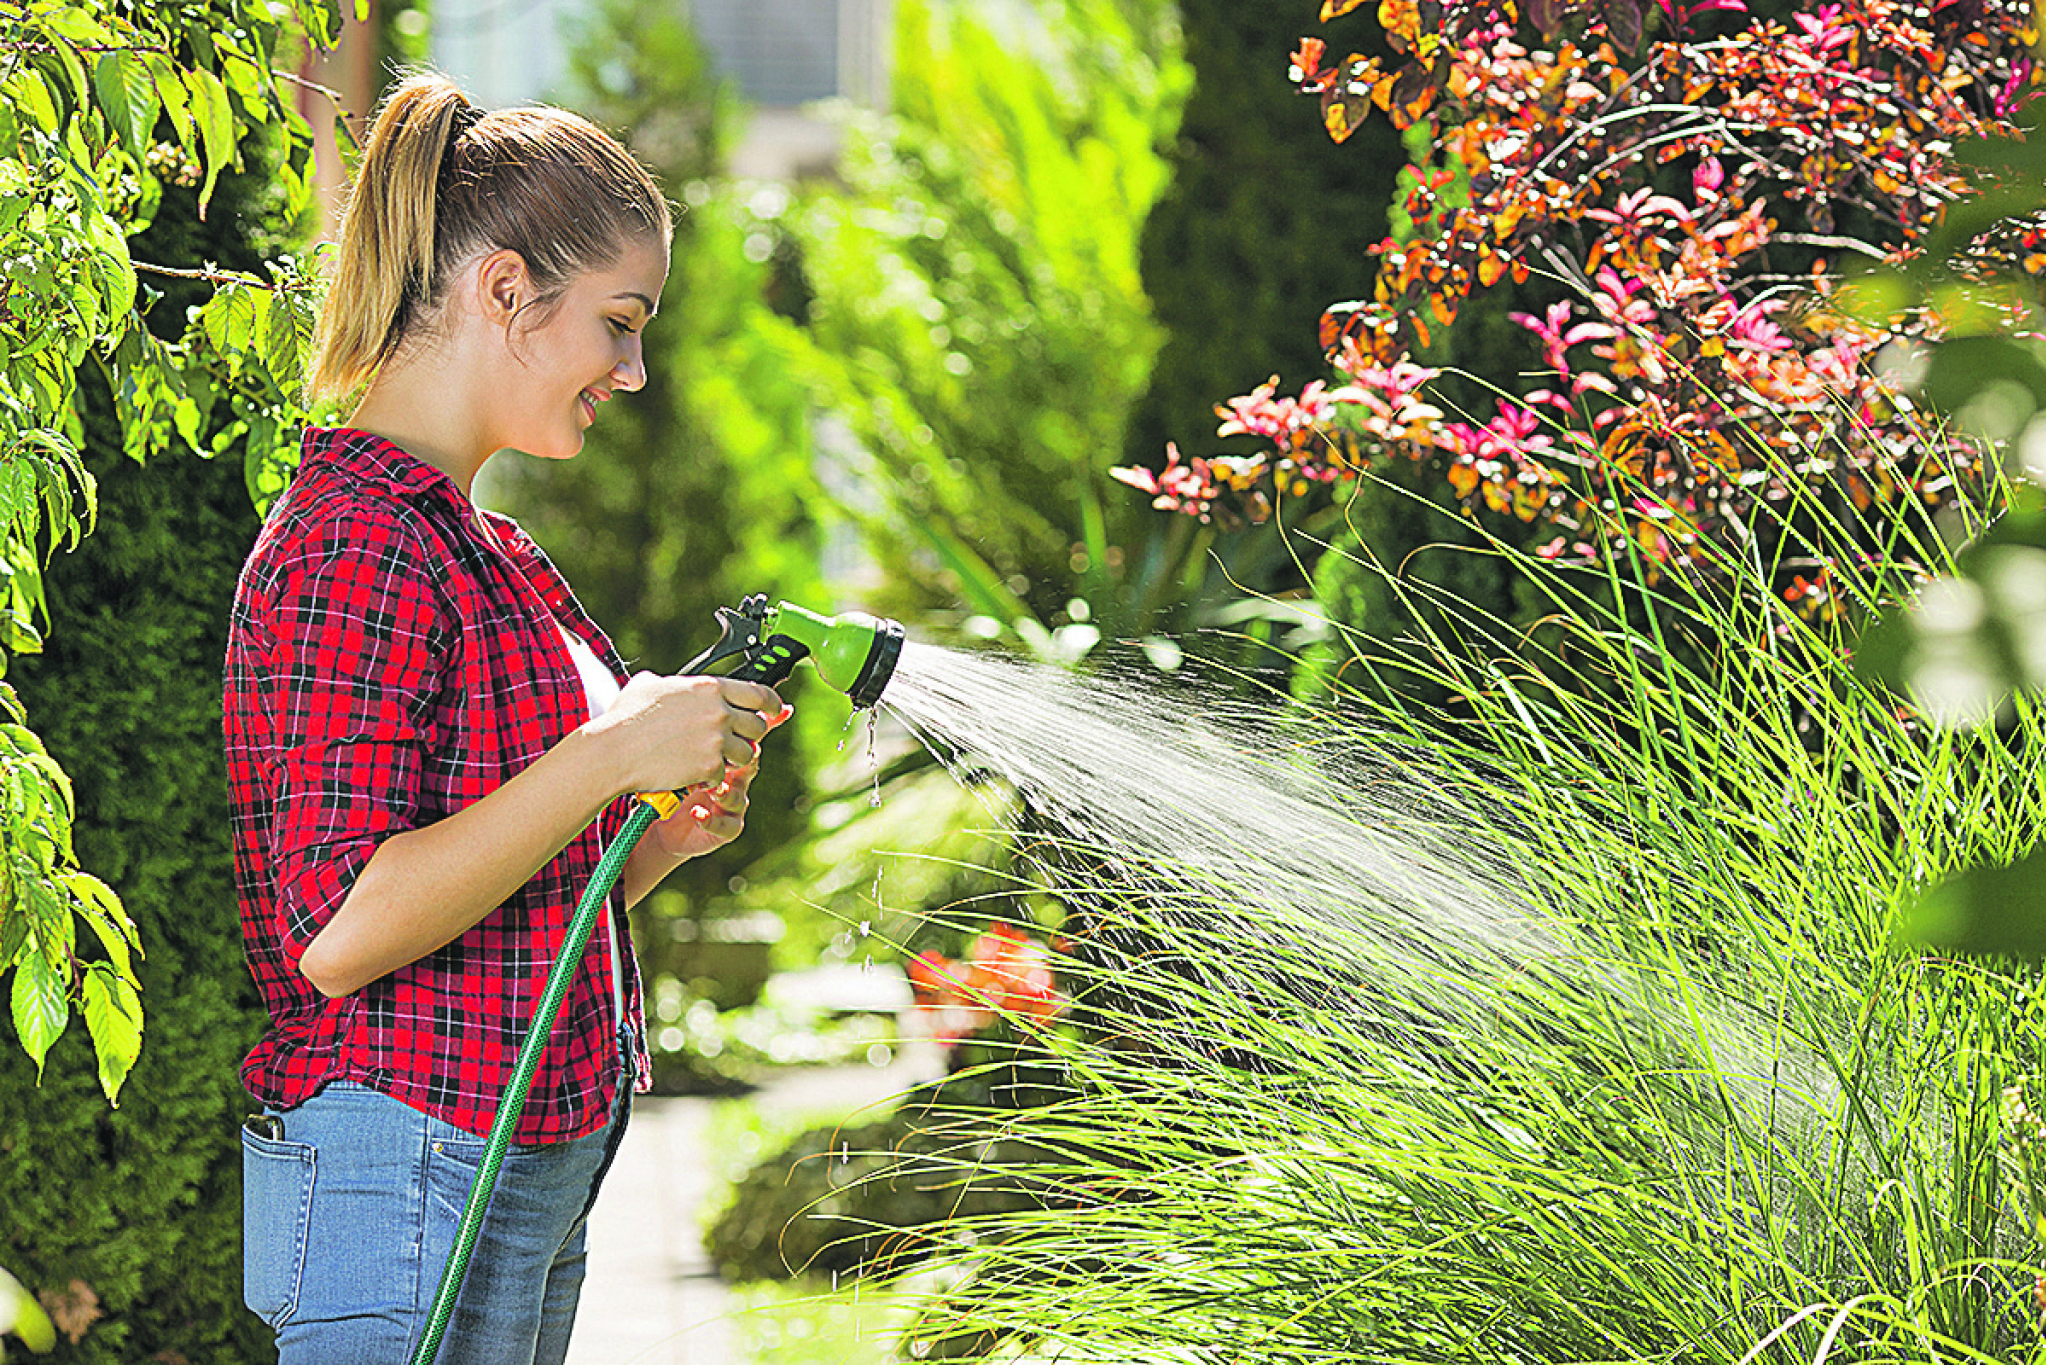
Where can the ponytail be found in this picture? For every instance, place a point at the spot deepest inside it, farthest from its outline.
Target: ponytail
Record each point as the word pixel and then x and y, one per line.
pixel 439 180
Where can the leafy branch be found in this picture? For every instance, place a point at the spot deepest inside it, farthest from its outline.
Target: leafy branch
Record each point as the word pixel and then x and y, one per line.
pixel 85 90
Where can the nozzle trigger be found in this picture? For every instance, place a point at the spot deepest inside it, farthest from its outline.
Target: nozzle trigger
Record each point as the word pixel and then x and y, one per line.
pixel 742 629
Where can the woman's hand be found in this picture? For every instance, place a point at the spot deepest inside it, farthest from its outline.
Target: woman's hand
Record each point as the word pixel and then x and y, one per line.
pixel 673 733
pixel 710 817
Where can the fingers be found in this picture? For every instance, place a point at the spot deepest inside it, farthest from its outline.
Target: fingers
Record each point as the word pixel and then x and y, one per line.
pixel 721 824
pixel 750 696
pixel 684 732
pixel 719 813
pixel 728 798
pixel 754 710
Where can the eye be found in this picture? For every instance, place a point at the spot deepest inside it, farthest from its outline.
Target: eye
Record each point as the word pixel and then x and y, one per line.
pixel 621 328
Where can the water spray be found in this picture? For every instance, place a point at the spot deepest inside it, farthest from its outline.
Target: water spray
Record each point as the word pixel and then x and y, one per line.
pixel 854 653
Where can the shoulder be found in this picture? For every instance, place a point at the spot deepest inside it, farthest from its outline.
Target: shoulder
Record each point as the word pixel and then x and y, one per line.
pixel 338 538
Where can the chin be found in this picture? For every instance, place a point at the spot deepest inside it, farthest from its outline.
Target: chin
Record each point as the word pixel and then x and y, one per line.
pixel 564 448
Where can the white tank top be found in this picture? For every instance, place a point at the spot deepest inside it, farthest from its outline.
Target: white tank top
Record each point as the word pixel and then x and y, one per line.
pixel 602 689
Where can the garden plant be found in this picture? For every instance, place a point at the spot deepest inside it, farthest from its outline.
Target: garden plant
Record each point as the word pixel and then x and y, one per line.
pixel 1655 1082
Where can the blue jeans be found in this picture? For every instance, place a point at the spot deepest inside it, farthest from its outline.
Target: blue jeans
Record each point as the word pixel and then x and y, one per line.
pixel 349 1213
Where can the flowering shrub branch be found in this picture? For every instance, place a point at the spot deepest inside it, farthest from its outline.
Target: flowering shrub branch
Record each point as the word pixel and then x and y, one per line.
pixel 1713 372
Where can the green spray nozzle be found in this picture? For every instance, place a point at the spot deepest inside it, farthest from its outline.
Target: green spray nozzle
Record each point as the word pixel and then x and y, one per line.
pixel 853 652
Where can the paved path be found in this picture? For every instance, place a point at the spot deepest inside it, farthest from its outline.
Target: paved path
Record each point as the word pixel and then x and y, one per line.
pixel 652 1297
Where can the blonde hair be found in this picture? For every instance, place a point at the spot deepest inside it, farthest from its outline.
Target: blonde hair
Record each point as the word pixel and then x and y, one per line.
pixel 441 179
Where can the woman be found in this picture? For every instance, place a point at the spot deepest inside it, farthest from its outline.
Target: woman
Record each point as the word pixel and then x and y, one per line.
pixel 422 726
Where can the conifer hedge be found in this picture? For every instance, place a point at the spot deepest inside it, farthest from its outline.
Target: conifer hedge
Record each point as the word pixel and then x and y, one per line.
pixel 128 1221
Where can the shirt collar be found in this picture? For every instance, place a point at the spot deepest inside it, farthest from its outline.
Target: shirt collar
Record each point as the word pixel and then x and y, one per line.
pixel 366 455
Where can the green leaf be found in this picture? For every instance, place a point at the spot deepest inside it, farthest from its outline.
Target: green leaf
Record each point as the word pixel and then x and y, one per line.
pixel 280 341
pixel 214 116
pixel 231 322
pixel 113 1016
pixel 27 92
pixel 116 267
pixel 267 468
pixel 1983 912
pixel 40 1009
pixel 177 101
pixel 102 910
pixel 127 96
pixel 77 23
pixel 24 1317
pixel 77 87
pixel 14 924
pixel 56 926
pixel 244 77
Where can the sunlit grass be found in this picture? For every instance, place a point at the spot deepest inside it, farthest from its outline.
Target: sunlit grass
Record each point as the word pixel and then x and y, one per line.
pixel 1706 1114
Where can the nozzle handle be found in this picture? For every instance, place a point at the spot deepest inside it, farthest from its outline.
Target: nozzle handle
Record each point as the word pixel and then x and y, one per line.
pixel 770 661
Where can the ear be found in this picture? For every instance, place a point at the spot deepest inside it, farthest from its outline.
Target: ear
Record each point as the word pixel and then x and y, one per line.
pixel 503 286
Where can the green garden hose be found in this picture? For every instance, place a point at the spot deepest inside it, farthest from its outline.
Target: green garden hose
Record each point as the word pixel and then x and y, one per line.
pixel 854 653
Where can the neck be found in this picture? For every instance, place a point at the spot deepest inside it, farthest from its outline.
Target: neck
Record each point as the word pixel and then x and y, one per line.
pixel 422 409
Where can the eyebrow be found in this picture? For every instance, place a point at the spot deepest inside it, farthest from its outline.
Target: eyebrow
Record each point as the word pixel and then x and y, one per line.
pixel 642 299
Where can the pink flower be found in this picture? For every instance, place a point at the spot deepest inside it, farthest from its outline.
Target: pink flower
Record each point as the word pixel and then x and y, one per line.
pixel 1556 338
pixel 1752 328
pixel 1706 180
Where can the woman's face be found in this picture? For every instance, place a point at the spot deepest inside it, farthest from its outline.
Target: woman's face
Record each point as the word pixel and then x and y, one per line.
pixel 587 349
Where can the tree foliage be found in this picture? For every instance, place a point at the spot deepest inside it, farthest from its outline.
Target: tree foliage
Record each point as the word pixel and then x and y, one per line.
pixel 129 1219
pixel 977 319
pixel 101 106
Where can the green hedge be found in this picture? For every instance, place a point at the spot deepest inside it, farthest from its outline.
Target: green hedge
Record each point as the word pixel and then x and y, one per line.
pixel 143 1203
pixel 140 1208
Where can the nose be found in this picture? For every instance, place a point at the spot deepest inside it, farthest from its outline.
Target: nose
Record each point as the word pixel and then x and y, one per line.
pixel 630 372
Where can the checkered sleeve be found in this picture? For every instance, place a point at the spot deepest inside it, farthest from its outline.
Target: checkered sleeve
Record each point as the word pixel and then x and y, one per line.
pixel 356 629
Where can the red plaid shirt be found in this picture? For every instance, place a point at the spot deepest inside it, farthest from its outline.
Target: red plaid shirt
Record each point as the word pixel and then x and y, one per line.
pixel 393 657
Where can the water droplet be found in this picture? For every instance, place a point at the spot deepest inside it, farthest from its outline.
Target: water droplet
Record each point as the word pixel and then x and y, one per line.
pixel 866 927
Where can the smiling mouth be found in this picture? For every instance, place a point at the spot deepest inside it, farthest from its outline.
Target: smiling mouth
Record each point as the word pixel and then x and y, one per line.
pixel 589 405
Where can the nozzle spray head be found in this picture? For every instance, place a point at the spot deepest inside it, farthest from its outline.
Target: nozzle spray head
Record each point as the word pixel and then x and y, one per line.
pixel 854 652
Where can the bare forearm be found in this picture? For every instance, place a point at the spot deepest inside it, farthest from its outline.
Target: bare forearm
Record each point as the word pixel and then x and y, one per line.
pixel 426 887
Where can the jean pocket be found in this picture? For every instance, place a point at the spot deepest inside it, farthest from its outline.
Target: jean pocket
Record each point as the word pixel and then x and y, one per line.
pixel 277 1205
pixel 452 1164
